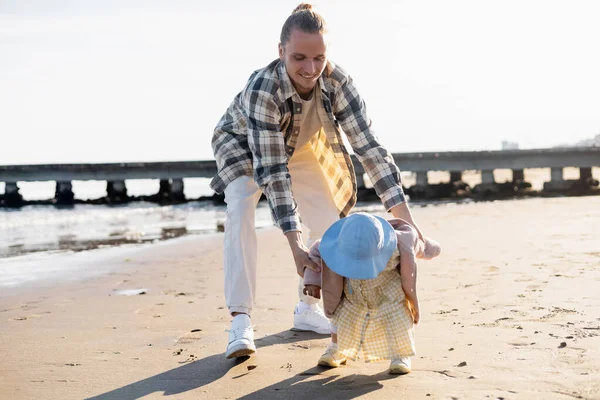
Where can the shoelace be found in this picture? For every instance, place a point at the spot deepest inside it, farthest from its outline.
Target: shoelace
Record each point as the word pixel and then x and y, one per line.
pixel 238 333
pixel 332 351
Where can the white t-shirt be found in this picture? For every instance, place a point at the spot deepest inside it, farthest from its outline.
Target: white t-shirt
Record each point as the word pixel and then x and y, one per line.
pixel 310 124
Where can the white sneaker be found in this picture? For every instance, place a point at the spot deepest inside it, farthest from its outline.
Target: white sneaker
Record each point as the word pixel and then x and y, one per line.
pixel 241 337
pixel 400 366
pixel 311 319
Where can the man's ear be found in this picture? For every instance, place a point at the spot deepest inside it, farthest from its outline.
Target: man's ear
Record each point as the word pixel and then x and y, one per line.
pixel 281 52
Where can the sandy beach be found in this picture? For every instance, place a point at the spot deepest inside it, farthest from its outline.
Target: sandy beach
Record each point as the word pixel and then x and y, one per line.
pixel 510 310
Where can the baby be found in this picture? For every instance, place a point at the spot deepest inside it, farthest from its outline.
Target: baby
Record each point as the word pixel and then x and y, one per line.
pixel 368 281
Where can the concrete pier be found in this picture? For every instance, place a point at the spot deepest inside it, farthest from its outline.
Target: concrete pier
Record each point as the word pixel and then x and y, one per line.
pixel 172 174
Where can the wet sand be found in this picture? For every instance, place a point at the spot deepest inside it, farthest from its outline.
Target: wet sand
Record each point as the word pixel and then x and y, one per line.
pixel 509 310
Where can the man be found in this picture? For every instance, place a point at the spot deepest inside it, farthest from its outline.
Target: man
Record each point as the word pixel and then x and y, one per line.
pixel 282 134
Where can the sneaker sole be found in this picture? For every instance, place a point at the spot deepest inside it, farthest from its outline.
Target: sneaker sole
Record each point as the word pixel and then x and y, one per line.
pixel 308 328
pixel 241 352
pixel 331 365
pixel 397 370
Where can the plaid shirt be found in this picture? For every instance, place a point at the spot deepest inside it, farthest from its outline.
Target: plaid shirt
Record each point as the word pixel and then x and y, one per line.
pixel 257 136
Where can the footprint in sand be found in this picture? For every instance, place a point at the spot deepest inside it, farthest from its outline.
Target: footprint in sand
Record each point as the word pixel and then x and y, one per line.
pixel 492 270
pixel 534 288
pixel 524 279
pixel 189 337
pixel 571 355
pixel 519 313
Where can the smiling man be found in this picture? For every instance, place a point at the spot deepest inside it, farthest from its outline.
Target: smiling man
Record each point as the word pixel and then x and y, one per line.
pixel 282 136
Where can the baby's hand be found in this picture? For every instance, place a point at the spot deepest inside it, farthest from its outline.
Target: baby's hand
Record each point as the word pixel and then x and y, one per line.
pixel 413 306
pixel 312 290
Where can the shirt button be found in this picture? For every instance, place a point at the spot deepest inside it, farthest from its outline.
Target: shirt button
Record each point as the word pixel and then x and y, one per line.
pixel 298 109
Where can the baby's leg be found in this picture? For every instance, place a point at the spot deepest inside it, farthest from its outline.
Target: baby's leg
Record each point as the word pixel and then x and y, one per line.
pixel 332 357
pixel 333 332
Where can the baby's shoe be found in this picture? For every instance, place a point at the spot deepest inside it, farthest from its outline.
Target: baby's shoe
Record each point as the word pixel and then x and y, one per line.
pixel 332 357
pixel 400 366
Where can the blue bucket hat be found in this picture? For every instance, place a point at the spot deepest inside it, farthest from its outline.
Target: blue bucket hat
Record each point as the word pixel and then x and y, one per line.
pixel 358 246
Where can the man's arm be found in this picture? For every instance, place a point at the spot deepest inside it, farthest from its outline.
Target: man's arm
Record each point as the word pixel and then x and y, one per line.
pixel 271 171
pixel 351 112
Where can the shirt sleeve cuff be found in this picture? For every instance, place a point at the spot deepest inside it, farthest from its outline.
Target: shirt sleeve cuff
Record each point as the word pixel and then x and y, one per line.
pixel 392 197
pixel 289 224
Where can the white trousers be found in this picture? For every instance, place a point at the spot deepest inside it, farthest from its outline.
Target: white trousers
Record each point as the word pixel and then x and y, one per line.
pixel 317 211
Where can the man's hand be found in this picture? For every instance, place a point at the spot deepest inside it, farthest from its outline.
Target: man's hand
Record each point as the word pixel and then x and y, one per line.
pixel 300 253
pixel 312 290
pixel 403 212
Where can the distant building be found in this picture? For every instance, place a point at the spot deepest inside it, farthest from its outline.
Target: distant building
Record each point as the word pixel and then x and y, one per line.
pixel 595 141
pixel 506 145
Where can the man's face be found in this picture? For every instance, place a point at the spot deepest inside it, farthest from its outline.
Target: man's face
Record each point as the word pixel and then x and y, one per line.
pixel 305 58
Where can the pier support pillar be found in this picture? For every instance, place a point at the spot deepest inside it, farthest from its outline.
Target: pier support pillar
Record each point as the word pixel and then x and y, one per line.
pixel 164 188
pixel 170 191
pixel 586 180
pixel 487 177
pixel 455 176
pixel 12 197
pixel 116 192
pixel 63 195
pixel 518 180
pixel 557 183
pixel 422 179
pixel 518 175
pixel 421 189
pixel 585 173
pixel 360 181
pixel 488 185
pixel 177 190
pixel 556 174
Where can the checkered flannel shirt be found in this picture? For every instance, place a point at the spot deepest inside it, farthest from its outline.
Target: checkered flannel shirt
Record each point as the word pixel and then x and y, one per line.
pixel 257 136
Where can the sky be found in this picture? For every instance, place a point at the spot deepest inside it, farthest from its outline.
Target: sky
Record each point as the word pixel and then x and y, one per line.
pixel 124 80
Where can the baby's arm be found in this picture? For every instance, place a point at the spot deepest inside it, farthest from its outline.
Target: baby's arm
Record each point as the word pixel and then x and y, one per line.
pixel 408 272
pixel 312 280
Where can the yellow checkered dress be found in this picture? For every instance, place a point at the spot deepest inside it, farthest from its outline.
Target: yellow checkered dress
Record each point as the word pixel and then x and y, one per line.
pixel 374 317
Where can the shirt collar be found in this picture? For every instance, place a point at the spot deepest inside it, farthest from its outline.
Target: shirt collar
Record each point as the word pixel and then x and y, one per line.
pixel 287 88
pixel 325 84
